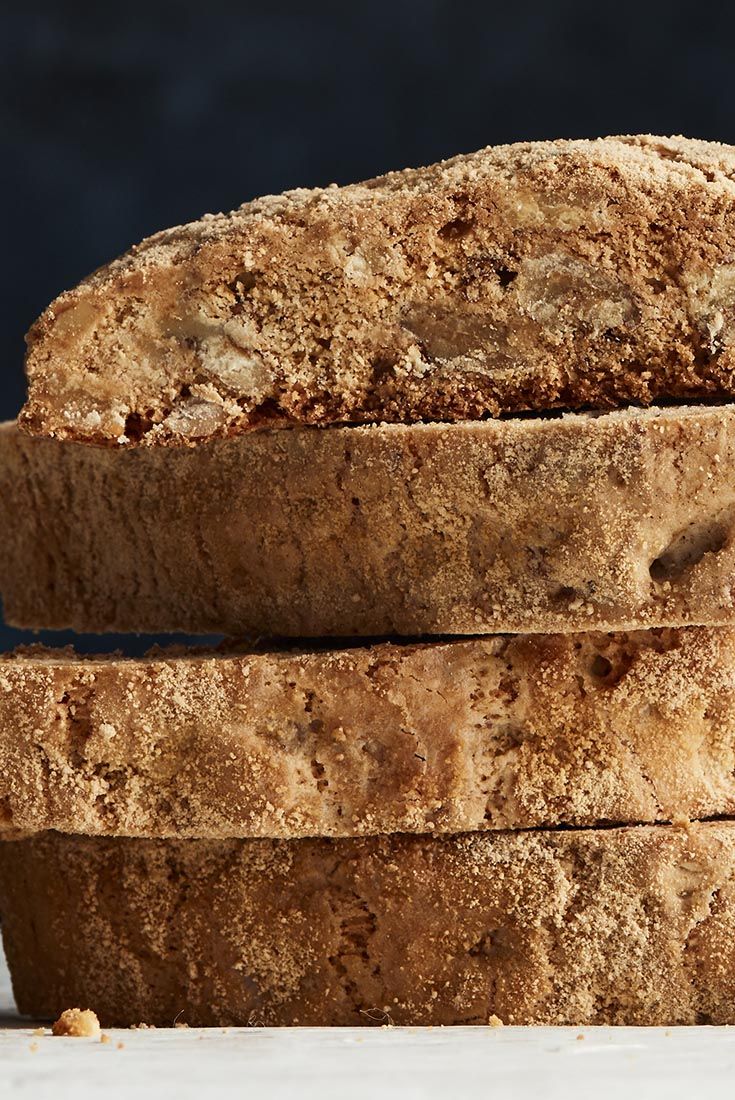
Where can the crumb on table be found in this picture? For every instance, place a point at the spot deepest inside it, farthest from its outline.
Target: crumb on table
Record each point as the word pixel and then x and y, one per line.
pixel 78 1023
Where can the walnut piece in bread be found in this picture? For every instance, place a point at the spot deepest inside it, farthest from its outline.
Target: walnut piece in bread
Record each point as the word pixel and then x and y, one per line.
pixel 563 274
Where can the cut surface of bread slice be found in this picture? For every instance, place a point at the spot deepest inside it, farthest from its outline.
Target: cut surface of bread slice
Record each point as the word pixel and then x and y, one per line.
pixel 553 274
pixel 489 733
pixel 619 926
pixel 616 521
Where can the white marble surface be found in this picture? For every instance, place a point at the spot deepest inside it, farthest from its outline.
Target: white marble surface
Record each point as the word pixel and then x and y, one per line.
pixel 512 1063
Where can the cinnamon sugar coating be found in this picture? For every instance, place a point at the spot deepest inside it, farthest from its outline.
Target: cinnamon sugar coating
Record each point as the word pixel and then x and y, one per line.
pixel 526 277
pixel 489 733
pixel 621 926
pixel 616 521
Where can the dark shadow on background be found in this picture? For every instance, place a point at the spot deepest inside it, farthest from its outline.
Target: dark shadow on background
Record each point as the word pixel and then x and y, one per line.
pixel 132 645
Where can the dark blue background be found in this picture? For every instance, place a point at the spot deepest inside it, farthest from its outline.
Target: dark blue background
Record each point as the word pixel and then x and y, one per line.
pixel 119 119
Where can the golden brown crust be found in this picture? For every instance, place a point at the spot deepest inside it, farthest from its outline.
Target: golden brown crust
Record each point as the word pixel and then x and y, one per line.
pixel 623 926
pixel 492 733
pixel 618 521
pixel 530 276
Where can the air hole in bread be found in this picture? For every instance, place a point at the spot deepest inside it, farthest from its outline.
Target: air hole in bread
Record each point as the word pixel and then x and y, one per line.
pixel 456 229
pixel 505 276
pixel 689 546
pixel 600 667
pixel 242 284
pixel 137 425
pixel 604 673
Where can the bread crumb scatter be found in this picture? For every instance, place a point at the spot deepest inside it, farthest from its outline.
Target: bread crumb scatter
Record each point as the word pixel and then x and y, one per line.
pixel 77 1023
pixel 495 1021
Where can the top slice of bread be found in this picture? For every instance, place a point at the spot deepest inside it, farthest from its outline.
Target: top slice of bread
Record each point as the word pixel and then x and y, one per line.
pixel 525 277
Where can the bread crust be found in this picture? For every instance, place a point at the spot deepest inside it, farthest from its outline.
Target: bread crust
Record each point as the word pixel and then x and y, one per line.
pixel 564 274
pixel 620 926
pixel 617 521
pixel 489 733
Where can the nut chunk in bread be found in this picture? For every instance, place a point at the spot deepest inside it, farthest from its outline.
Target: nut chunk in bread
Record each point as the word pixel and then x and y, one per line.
pixel 525 277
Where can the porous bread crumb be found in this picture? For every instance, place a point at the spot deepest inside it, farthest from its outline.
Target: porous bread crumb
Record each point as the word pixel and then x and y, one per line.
pixel 586 926
pixel 494 1021
pixel 531 276
pixel 489 537
pixel 77 1023
pixel 435 737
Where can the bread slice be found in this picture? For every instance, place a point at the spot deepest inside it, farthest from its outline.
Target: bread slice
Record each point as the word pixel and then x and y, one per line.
pixel 621 926
pixel 490 733
pixel 533 276
pixel 581 522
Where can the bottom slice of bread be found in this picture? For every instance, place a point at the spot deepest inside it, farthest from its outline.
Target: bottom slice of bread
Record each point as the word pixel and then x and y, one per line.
pixel 630 925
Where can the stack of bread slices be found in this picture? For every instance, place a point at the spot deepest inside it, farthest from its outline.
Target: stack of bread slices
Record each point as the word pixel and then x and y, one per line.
pixel 449 457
